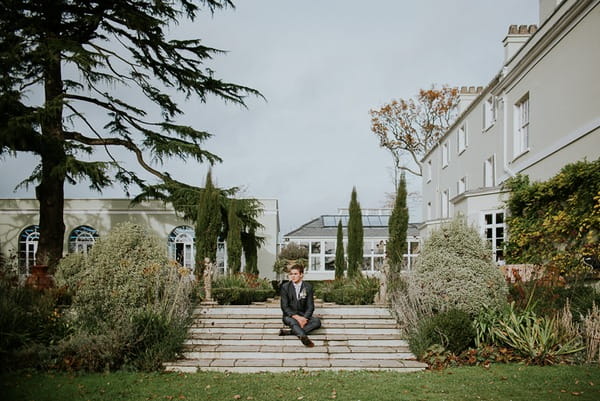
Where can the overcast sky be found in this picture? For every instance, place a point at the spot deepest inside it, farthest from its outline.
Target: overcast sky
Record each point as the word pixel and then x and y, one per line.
pixel 322 65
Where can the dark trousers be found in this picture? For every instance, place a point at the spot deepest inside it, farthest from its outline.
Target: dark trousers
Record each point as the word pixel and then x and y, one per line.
pixel 313 323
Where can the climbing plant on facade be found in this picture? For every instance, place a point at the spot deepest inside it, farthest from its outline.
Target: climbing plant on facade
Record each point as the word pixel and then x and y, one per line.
pixel 556 222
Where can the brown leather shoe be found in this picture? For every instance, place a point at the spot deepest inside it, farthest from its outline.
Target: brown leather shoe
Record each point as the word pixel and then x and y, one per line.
pixel 306 341
pixel 285 332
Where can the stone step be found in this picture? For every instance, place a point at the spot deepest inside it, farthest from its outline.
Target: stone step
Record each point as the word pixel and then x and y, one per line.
pixel 292 341
pixel 277 315
pixel 343 311
pixel 245 339
pixel 243 322
pixel 263 331
pixel 241 365
pixel 296 349
pixel 323 354
pixel 277 324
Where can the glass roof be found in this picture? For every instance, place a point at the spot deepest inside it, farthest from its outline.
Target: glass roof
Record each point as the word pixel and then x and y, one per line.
pixel 367 221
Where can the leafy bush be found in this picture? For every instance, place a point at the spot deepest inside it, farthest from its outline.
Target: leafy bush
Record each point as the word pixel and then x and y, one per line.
pixel 360 290
pixel 538 339
pixel 455 271
pixel 28 319
pixel 591 334
pixel 453 330
pixel 153 340
pixel 550 292
pixel 69 272
pixel 291 253
pixel 241 289
pixel 556 222
pixel 128 295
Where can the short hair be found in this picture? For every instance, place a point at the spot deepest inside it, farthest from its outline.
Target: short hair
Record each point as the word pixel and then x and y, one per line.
pixel 298 267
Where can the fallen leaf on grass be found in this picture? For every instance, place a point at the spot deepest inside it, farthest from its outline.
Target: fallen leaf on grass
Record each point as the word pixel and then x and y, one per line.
pixel 237 396
pixel 576 393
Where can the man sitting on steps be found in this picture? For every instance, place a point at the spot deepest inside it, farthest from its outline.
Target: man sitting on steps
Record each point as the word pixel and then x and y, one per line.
pixel 298 305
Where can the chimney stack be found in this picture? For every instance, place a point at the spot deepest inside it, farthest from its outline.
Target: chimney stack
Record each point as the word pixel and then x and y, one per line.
pixel 466 95
pixel 517 36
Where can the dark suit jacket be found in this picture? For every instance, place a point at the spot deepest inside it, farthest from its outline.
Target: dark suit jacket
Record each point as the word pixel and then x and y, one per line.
pixel 290 305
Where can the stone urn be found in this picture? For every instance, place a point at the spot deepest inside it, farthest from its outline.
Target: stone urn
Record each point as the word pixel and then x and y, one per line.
pixel 40 278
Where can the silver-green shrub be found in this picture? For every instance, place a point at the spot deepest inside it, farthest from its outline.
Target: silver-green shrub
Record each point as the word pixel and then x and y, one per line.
pixel 455 271
pixel 127 290
pixel 69 271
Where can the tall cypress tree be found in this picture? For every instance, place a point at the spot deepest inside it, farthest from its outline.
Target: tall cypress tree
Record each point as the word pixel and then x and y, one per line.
pixel 234 239
pixel 208 224
pixel 398 226
pixel 250 247
pixel 340 262
pixel 355 237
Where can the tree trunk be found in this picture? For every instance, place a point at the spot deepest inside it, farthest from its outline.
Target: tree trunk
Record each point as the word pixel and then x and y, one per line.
pixel 50 191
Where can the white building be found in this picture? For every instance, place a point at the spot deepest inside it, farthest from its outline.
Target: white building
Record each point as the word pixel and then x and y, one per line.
pixel 539 113
pixel 319 238
pixel 88 219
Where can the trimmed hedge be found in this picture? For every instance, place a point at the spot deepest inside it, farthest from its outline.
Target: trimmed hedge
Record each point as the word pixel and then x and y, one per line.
pixel 241 296
pixel 357 291
pixel 241 289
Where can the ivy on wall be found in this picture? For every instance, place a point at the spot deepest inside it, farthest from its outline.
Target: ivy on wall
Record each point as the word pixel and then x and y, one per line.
pixel 556 222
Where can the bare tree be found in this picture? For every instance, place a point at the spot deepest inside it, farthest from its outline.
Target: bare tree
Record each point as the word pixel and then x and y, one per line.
pixel 409 128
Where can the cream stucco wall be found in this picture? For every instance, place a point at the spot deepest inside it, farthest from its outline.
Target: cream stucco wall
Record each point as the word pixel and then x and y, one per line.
pixel 558 70
pixel 103 214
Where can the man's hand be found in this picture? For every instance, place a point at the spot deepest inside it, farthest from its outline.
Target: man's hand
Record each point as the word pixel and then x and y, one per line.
pixel 301 320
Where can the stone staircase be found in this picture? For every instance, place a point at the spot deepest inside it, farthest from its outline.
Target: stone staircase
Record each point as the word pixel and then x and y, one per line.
pixel 245 339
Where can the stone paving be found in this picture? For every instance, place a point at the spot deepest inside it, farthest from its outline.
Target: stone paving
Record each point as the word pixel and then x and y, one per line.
pixel 245 339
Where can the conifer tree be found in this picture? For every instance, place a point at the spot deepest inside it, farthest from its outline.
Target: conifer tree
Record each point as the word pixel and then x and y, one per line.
pixel 340 261
pixel 208 224
pixel 250 247
pixel 398 226
pixel 355 237
pixel 234 239
pixel 80 77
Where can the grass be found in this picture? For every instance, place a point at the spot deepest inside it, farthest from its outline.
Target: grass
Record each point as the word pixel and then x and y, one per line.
pixel 499 382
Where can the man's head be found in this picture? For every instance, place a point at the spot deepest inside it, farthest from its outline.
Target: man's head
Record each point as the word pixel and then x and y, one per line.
pixel 296 273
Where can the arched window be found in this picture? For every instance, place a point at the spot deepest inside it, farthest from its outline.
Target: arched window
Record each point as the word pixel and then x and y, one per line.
pixel 181 246
pixel 82 239
pixel 28 243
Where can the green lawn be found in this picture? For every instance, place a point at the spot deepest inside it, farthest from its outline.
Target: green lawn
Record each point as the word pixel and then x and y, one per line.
pixel 500 382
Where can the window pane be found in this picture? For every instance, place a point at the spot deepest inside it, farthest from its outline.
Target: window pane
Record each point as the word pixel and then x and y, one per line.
pixel 329 263
pixel 329 247
pixel 367 264
pixel 499 232
pixel 488 219
pixel 315 247
pixel 499 218
pixel 378 263
pixel 315 263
